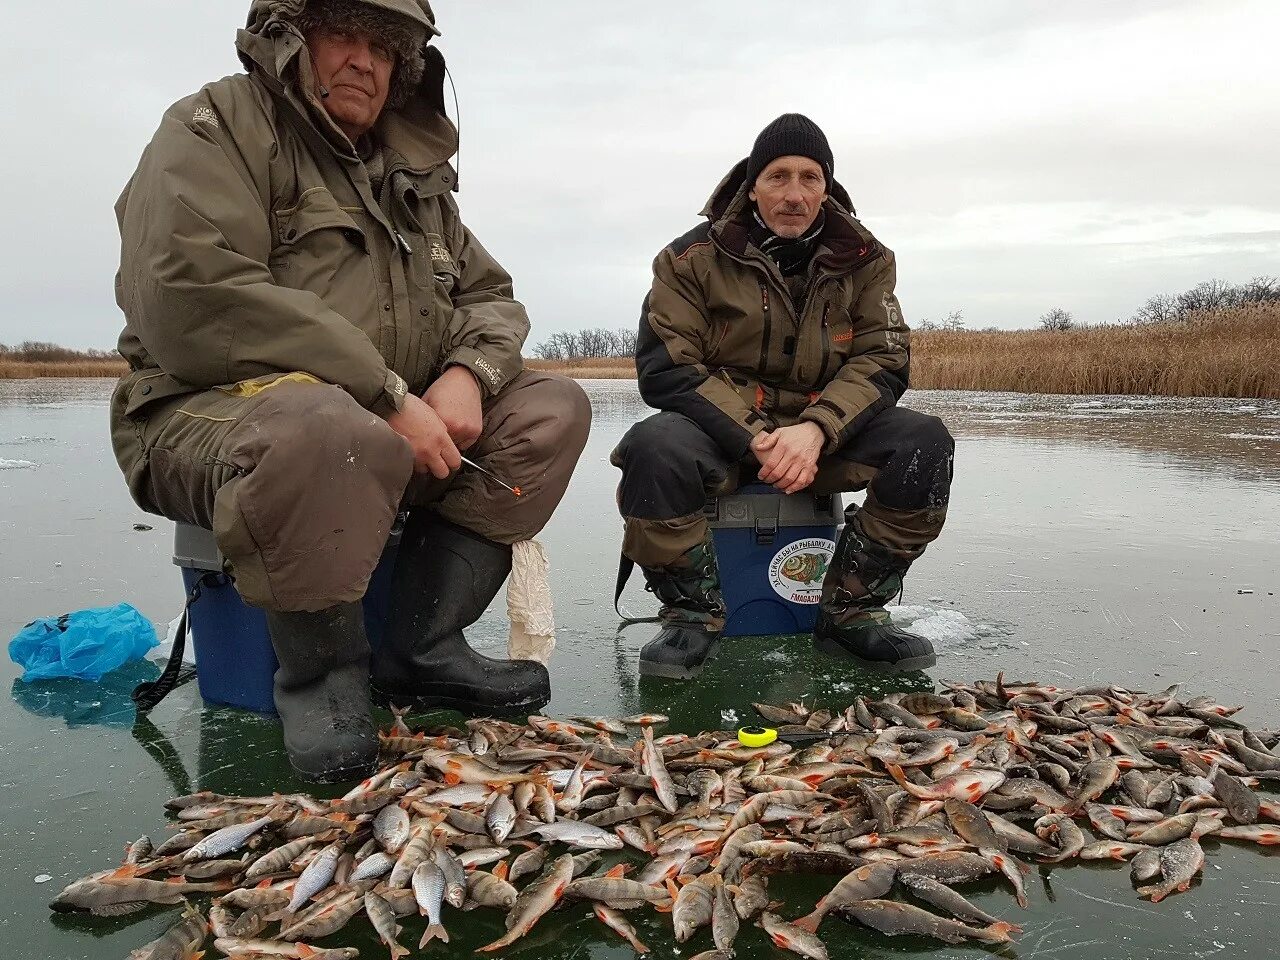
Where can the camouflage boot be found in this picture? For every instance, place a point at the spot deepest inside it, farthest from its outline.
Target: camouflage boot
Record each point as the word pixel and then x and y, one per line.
pixel 692 614
pixel 852 621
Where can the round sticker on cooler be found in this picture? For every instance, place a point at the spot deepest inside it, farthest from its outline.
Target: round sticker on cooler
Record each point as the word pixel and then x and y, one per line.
pixel 796 571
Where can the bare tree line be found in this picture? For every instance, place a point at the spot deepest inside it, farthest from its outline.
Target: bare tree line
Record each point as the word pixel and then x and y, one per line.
pixel 37 351
pixel 1162 308
pixel 592 344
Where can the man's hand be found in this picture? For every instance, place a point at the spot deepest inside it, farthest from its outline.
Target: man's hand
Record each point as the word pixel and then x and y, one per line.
pixel 455 396
pixel 789 456
pixel 433 451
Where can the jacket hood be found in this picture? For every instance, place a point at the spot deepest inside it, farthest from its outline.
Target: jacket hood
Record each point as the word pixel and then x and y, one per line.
pixel 272 47
pixel 846 240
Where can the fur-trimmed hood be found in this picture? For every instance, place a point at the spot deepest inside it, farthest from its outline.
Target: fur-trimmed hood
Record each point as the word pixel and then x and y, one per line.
pixel 272 46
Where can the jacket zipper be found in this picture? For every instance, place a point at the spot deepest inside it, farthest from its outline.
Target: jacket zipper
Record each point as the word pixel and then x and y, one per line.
pixel 826 344
pixel 768 330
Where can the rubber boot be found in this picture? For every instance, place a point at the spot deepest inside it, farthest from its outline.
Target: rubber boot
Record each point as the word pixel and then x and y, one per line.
pixel 322 692
pixel 852 620
pixel 445 578
pixel 692 614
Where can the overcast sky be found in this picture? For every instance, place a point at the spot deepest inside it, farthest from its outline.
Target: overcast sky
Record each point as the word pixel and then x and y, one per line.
pixel 1017 155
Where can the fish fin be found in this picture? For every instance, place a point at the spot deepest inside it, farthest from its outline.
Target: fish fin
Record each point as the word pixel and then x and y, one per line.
pixel 665 906
pixel 672 890
pixel 433 932
pixel 617 872
pixel 305 951
pixel 895 771
pixel 118 909
pixel 125 871
pixel 502 870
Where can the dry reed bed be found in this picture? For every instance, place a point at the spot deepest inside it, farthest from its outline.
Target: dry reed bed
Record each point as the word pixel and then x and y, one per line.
pixel 611 368
pixel 29 370
pixel 1224 353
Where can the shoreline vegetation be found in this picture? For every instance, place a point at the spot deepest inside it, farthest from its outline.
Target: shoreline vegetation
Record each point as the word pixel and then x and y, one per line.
pixel 1221 352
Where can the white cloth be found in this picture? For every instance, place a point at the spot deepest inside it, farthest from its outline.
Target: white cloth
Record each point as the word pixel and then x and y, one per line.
pixel 533 624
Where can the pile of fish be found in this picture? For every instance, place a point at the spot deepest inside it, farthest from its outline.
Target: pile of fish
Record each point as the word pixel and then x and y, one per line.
pixel 910 797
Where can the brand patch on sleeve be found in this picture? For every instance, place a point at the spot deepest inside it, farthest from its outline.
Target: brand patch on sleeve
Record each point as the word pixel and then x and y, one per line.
pixel 205 115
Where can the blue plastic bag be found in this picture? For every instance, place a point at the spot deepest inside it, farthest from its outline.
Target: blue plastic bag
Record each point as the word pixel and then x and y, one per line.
pixel 87 644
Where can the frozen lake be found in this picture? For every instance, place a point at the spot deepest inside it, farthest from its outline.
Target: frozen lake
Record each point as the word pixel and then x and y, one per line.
pixel 1090 540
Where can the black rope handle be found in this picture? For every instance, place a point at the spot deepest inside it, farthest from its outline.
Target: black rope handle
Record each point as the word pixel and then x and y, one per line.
pixel 147 695
pixel 625 567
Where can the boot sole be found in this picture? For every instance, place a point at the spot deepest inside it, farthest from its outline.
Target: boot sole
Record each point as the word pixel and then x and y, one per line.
pixel 910 665
pixel 673 671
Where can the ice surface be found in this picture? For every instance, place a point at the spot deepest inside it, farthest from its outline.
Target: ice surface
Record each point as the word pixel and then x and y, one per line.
pixel 943 628
pixel 15 464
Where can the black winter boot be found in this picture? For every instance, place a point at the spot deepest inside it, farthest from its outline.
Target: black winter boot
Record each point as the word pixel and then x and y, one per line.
pixel 692 614
pixel 444 579
pixel 853 622
pixel 322 692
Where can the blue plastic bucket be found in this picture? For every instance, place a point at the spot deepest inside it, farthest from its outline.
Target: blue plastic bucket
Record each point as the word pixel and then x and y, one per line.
pixel 235 662
pixel 773 550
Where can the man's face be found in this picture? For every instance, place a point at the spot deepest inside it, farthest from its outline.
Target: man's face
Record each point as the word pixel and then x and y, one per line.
pixel 356 70
pixel 789 193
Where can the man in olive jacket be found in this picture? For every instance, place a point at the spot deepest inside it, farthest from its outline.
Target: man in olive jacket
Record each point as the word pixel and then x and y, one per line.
pixel 314 336
pixel 774 345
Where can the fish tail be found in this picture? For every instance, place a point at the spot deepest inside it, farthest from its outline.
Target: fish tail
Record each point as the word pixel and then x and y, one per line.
pixel 433 932
pixel 809 923
pixel 999 931
pixel 637 945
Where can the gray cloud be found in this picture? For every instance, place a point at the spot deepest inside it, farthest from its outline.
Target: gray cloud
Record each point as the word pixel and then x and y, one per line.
pixel 1017 155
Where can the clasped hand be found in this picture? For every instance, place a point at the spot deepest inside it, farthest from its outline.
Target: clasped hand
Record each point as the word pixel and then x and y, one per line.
pixel 445 421
pixel 789 456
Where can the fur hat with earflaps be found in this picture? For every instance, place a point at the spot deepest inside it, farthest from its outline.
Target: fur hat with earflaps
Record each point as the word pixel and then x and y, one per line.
pixel 404 36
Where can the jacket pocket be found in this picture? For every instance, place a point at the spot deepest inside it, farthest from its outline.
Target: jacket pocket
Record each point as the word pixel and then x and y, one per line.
pixel 837 341
pixel 316 243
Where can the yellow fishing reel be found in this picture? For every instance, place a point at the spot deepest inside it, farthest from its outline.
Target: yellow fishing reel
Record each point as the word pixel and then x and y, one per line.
pixel 756 736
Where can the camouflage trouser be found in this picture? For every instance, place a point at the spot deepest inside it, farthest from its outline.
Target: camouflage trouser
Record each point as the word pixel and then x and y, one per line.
pixel 671 467
pixel 300 484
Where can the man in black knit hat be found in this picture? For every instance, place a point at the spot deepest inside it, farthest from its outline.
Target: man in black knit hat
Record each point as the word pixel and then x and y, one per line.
pixel 774 347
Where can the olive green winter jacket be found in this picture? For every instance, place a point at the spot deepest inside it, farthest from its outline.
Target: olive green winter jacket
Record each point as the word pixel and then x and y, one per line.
pixel 722 342
pixel 254 244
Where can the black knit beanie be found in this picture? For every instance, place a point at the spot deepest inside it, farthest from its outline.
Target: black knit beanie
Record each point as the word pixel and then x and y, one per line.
pixel 791 135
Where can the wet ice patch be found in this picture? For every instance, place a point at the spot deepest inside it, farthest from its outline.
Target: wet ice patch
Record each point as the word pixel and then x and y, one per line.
pixel 729 717
pixel 15 464
pixel 942 628
pixel 1252 436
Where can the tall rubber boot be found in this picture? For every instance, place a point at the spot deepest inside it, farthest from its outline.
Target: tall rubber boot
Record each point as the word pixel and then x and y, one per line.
pixel 852 620
pixel 445 578
pixel 692 614
pixel 322 692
